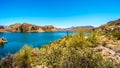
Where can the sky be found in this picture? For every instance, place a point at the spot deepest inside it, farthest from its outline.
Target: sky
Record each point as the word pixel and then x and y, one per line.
pixel 59 13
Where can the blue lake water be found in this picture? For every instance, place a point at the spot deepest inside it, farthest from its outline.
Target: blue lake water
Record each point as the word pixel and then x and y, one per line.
pixel 17 40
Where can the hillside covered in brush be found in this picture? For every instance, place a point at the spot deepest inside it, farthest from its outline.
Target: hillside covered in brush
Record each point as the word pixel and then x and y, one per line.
pixel 112 26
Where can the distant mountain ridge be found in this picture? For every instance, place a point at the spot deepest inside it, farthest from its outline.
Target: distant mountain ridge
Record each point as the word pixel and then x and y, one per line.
pixel 78 27
pixel 112 26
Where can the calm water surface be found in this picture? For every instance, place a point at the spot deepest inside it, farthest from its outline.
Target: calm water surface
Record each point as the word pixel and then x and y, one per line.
pixel 18 40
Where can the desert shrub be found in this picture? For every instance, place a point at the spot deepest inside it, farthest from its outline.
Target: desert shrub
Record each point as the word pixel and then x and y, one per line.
pixel 104 43
pixel 74 40
pixel 81 39
pixel 7 62
pixel 50 56
pixel 54 56
pixel 72 57
pixel 93 37
pixel 83 58
pixel 23 58
pixel 116 35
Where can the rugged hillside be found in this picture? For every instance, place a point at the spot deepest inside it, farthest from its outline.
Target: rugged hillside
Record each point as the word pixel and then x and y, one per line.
pixel 112 26
pixel 28 28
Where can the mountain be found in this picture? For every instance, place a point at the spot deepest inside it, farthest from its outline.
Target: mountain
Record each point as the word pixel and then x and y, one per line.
pixel 25 27
pixel 112 26
pixel 2 28
pixel 77 27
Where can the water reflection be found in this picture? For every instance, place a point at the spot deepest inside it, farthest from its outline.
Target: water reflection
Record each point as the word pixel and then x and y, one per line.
pixel 1 45
pixel 1 35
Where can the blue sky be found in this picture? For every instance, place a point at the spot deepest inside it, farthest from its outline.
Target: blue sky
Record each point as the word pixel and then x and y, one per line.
pixel 60 13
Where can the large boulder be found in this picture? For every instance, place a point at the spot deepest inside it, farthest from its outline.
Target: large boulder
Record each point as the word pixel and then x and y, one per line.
pixel 3 40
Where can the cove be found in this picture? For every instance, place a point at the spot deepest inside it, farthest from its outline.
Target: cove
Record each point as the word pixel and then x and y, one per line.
pixel 17 40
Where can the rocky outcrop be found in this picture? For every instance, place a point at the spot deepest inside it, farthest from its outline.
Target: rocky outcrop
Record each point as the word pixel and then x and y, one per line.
pixel 109 47
pixel 108 53
pixel 49 28
pixel 3 40
pixel 2 29
pixel 29 28
pixel 13 28
pixel 112 26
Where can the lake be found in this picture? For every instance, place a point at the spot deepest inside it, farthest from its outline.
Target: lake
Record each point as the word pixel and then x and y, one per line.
pixel 17 40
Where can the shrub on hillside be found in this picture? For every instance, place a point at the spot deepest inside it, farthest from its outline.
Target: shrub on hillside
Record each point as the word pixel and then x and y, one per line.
pixel 116 35
pixel 7 62
pixel 82 39
pixel 93 37
pixel 25 57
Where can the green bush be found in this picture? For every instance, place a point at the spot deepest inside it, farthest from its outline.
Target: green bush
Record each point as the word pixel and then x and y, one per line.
pixel 93 37
pixel 82 39
pixel 23 58
pixel 116 35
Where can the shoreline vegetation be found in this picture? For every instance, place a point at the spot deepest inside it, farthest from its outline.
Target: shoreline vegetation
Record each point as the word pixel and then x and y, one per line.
pixel 94 48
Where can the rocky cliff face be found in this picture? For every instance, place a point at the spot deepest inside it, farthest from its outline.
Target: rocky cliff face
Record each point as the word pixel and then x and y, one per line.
pixel 49 28
pixel 2 29
pixel 112 26
pixel 13 28
pixel 28 28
